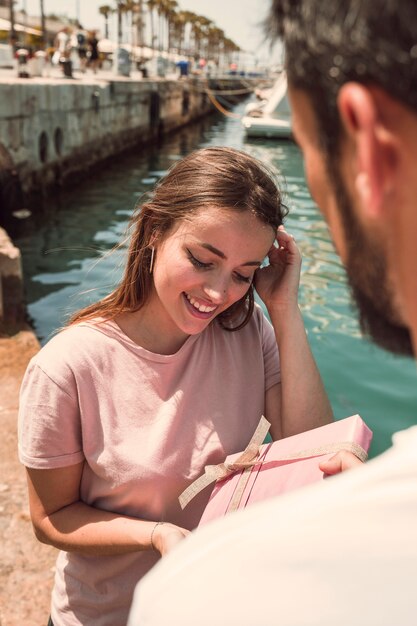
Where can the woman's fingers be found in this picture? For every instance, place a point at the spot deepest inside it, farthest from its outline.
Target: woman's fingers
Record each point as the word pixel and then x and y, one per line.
pixel 285 250
pixel 285 239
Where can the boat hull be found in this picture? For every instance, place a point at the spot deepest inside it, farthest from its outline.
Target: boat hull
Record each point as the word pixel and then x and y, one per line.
pixel 267 127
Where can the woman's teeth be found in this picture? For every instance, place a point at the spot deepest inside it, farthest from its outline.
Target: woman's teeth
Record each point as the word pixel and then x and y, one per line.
pixel 200 307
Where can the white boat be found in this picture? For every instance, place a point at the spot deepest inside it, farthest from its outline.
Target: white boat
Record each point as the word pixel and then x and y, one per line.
pixel 271 117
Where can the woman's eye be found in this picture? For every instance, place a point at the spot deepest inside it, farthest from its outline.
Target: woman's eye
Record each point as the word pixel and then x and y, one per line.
pixel 243 279
pixel 196 262
pixel 203 266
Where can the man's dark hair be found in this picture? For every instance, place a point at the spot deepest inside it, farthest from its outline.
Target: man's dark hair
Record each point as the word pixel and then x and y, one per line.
pixel 328 43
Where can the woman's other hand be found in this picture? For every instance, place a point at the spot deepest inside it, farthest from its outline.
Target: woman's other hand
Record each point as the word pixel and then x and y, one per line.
pixel 277 283
pixel 166 536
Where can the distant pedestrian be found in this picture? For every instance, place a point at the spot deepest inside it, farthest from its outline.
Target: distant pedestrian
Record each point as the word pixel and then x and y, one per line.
pixel 93 59
pixel 81 44
pixel 61 45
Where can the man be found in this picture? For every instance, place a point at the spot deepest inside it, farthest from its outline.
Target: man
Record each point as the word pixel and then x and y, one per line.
pixel 344 552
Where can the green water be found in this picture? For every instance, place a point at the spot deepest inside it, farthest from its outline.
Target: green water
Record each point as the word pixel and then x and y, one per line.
pixel 67 264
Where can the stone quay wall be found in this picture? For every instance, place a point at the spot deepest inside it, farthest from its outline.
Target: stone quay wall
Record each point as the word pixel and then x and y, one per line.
pixel 52 130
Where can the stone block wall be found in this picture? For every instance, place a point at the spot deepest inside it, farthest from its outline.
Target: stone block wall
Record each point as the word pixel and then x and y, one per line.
pixel 52 129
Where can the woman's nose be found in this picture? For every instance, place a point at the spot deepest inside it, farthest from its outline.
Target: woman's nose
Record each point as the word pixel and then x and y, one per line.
pixel 216 290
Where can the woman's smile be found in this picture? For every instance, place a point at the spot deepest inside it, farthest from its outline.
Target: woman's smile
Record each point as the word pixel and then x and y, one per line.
pixel 198 306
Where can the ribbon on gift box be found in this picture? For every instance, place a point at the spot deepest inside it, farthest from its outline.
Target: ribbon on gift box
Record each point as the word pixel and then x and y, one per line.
pixel 222 470
pixel 250 457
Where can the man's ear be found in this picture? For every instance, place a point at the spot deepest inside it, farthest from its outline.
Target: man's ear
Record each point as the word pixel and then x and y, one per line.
pixel 374 145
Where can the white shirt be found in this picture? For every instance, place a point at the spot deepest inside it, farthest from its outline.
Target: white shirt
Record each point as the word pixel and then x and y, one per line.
pixel 62 41
pixel 341 553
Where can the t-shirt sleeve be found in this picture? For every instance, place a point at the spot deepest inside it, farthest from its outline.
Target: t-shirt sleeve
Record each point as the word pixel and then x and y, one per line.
pixel 49 429
pixel 270 353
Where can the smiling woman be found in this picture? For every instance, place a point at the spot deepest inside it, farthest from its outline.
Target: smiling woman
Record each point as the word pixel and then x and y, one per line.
pixel 208 185
pixel 172 371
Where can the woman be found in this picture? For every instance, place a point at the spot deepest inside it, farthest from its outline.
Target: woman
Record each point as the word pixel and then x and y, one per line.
pixel 170 372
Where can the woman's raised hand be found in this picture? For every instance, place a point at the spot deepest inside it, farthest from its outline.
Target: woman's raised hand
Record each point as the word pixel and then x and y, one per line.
pixel 277 283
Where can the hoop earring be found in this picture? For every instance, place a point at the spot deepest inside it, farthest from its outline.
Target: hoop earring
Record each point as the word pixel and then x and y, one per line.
pixel 152 259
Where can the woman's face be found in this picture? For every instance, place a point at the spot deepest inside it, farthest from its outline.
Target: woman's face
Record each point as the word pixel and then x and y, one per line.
pixel 204 265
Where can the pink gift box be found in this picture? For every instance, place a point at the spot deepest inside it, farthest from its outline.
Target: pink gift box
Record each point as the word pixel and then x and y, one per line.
pixel 273 474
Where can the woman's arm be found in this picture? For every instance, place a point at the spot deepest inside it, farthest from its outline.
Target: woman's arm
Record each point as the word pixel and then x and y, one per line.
pixel 62 520
pixel 300 402
pixel 303 401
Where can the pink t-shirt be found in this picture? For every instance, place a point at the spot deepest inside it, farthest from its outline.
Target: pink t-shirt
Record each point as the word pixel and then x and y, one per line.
pixel 145 425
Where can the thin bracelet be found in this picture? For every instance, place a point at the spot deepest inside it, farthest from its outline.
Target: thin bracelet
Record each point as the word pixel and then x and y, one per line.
pixel 153 530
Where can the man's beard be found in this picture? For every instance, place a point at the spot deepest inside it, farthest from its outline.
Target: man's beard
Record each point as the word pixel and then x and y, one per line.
pixel 368 280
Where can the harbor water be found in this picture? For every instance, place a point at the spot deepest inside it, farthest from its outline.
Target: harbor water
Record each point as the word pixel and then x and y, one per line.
pixel 69 260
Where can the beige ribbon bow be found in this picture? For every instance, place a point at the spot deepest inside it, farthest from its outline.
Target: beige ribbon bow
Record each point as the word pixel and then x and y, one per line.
pixel 248 458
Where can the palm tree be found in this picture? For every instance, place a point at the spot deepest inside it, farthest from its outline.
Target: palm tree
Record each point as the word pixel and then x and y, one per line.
pixel 201 40
pixel 160 8
pixel 12 35
pixel 215 38
pixel 201 28
pixel 170 15
pixel 198 34
pixel 229 48
pixel 152 4
pixel 183 18
pixel 138 22
pixel 119 10
pixel 105 11
pixel 178 25
pixel 122 7
pixel 129 7
pixel 43 25
pixel 192 20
